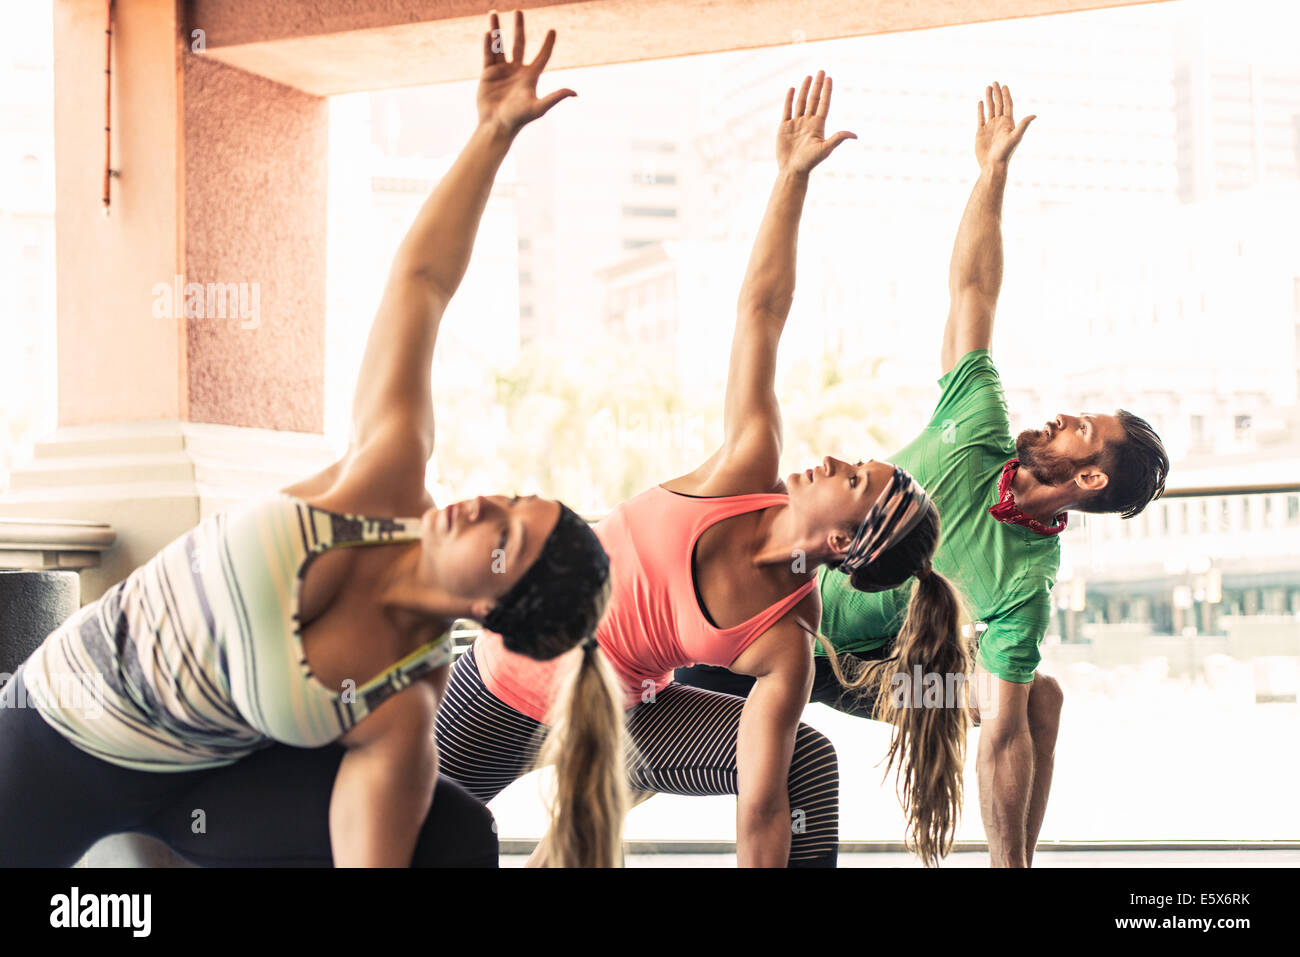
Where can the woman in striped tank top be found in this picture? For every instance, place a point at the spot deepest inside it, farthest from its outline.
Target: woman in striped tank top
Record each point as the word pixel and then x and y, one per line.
pixel 320 620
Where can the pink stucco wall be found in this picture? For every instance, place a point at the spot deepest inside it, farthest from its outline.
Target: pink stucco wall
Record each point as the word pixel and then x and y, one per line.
pixel 255 159
pixel 116 362
pixel 222 180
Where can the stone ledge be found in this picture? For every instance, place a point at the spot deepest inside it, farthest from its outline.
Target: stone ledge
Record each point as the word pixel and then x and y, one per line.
pixel 31 543
pixel 144 483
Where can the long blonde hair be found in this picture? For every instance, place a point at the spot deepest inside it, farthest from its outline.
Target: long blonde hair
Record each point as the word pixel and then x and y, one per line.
pixel 588 747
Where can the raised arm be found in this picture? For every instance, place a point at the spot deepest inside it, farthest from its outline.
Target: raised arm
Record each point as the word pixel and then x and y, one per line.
pixel 392 410
pixel 751 416
pixel 975 273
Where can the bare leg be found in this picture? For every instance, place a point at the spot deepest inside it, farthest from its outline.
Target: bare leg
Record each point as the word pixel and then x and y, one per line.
pixel 1045 700
pixel 1005 766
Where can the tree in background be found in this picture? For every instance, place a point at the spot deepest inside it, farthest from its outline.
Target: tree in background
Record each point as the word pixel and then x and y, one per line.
pixel 595 432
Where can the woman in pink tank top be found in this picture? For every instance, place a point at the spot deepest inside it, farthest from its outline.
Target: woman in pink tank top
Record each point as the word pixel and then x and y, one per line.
pixel 719 566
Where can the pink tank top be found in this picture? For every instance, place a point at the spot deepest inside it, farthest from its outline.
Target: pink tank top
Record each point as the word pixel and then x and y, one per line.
pixel 654 623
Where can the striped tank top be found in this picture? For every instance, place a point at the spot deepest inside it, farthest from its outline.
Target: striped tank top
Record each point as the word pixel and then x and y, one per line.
pixel 196 659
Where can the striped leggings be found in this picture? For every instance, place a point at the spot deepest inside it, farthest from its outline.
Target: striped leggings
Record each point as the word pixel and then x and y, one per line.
pixel 684 741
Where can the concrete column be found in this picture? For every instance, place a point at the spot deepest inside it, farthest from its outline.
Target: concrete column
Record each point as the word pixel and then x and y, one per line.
pixel 199 298
pixel 201 295
pixel 254 200
pixel 191 318
pixel 115 361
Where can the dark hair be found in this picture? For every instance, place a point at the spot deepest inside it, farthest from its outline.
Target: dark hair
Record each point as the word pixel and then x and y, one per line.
pixel 556 605
pixel 928 743
pixel 1136 469
pixel 895 565
pixel 561 598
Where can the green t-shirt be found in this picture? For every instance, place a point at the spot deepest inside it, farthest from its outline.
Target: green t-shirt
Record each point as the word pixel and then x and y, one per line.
pixel 1003 572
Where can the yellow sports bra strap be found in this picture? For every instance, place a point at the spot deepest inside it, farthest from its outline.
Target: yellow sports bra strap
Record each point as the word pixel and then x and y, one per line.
pixel 430 650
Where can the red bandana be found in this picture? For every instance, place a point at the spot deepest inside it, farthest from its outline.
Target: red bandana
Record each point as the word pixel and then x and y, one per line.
pixel 1007 511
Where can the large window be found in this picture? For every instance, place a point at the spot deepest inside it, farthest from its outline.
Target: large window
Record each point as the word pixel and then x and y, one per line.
pixel 1145 269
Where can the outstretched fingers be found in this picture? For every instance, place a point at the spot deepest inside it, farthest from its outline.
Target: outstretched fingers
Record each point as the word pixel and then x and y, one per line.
pixel 824 103
pixel 836 140
pixel 544 56
pixel 789 103
pixel 816 94
pixel 494 46
pixel 803 97
pixel 1006 103
pixel 546 102
pixel 517 53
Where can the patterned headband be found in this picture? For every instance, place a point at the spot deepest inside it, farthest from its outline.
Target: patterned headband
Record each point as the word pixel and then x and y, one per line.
pixel 895 513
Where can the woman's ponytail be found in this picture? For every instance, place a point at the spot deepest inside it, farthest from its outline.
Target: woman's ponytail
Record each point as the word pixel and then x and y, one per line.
pixel 921 690
pixel 931 662
pixel 587 745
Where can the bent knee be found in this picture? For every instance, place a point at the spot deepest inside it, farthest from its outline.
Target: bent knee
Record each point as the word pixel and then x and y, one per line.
pixel 459 831
pixel 1045 700
pixel 1046 694
pixel 812 749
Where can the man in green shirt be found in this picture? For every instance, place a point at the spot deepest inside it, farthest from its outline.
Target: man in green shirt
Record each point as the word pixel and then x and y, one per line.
pixel 1002 501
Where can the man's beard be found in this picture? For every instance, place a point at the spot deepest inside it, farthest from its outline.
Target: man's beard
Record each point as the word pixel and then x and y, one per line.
pixel 1047 468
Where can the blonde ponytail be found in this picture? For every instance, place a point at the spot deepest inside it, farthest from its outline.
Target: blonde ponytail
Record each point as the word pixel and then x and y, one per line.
pixel 587 745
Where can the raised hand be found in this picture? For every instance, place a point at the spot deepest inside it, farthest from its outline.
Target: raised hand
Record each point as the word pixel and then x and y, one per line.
pixel 997 135
pixel 801 139
pixel 507 90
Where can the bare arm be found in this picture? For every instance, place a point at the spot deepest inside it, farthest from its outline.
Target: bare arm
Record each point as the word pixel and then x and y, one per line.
pixel 384 786
pixel 765 300
pixel 751 415
pixel 765 746
pixel 975 272
pixel 392 410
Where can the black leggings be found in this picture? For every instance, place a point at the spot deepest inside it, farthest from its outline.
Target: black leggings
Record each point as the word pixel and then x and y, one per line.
pixel 268 809
pixel 826 688
pixel 684 741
